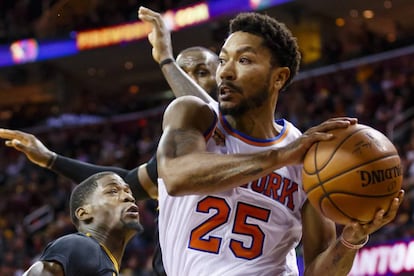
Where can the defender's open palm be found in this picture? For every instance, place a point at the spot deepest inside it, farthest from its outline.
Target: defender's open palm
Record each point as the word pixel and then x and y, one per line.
pixel 159 37
pixel 27 143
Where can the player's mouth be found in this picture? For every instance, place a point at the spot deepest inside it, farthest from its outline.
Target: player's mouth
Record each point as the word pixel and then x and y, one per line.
pixel 226 90
pixel 132 211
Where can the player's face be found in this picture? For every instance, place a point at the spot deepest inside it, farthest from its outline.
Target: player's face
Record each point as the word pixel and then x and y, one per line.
pixel 201 67
pixel 244 74
pixel 113 205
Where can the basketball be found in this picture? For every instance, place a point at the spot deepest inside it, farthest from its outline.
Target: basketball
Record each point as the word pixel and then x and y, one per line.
pixel 353 175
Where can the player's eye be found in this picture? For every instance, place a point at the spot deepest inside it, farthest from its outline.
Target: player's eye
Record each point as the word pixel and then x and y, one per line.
pixel 244 60
pixel 113 191
pixel 201 73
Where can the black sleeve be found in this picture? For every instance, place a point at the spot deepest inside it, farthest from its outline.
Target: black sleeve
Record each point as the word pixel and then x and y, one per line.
pixel 78 171
pixel 133 180
pixel 152 169
pixel 157 264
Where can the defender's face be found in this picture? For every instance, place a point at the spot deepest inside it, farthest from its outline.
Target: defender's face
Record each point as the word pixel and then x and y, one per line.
pixel 201 67
pixel 113 205
pixel 243 74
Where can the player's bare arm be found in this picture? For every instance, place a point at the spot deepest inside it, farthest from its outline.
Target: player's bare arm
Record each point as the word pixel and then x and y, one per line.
pixel 324 253
pixel 45 269
pixel 187 168
pixel 184 163
pixel 160 39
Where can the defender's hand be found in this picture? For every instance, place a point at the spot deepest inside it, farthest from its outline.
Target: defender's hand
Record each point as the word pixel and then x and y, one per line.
pixel 27 143
pixel 159 37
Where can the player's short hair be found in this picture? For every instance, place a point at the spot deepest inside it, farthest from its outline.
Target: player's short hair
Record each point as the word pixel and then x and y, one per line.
pixel 199 49
pixel 81 193
pixel 276 36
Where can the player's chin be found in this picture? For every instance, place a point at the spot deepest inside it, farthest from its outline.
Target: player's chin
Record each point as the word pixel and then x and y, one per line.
pixel 228 108
pixel 130 217
pixel 133 225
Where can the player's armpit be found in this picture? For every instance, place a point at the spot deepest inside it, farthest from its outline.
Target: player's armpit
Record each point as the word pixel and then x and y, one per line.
pixel 43 268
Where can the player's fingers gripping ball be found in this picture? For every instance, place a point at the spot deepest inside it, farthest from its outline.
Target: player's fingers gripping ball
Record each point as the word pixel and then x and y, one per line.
pixel 353 175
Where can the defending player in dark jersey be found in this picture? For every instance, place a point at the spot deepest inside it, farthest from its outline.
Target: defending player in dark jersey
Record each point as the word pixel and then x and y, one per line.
pixel 103 210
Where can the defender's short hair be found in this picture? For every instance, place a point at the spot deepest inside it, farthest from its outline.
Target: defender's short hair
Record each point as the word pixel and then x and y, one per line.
pixel 81 193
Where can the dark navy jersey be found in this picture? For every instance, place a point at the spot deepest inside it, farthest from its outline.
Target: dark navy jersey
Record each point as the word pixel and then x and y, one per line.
pixel 79 255
pixel 157 258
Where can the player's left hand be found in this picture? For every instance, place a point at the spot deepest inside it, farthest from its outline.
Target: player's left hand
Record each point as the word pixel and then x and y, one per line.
pixel 160 36
pixel 356 233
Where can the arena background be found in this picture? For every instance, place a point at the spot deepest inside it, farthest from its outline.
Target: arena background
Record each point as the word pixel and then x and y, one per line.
pixel 79 75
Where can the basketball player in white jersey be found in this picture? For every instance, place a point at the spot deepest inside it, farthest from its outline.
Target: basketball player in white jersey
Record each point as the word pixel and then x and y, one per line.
pixel 230 193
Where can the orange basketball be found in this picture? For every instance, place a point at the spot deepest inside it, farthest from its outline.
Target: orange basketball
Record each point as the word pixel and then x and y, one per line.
pixel 353 175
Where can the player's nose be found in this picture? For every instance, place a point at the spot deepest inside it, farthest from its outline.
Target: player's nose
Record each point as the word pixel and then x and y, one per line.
pixel 128 197
pixel 226 71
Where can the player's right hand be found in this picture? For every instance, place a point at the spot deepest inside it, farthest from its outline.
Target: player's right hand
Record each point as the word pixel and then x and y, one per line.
pixel 27 143
pixel 355 232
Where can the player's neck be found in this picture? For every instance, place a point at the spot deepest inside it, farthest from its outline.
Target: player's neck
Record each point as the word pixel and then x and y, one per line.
pixel 256 125
pixel 113 245
pixel 114 255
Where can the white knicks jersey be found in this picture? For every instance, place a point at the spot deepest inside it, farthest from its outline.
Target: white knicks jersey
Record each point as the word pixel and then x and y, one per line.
pixel 249 230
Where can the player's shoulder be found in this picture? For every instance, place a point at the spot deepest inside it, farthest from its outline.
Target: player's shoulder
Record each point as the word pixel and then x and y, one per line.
pixel 189 103
pixel 190 110
pixel 77 253
pixel 293 131
pixel 76 241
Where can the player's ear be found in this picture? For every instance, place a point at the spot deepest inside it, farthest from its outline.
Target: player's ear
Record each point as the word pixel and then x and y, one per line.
pixel 83 213
pixel 280 76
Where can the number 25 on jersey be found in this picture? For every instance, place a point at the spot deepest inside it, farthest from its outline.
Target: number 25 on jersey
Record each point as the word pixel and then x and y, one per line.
pixel 201 240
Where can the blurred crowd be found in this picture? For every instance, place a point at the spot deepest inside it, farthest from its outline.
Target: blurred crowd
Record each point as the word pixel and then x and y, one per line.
pixel 359 41
pixel 380 95
pixel 56 18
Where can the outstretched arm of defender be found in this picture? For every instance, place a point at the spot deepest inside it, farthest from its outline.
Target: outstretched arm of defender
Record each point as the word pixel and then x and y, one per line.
pixel 142 179
pixel 160 39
